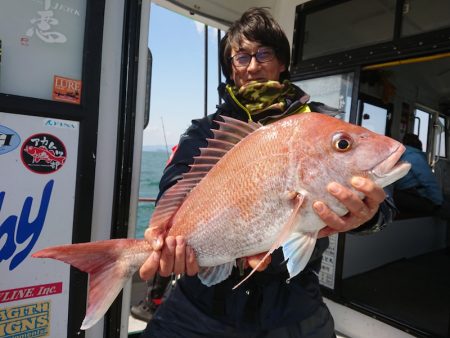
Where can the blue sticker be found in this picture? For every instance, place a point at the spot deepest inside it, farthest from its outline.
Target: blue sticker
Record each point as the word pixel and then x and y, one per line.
pixel 9 140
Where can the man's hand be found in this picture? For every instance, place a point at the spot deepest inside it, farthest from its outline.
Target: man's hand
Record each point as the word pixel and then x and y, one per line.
pixel 360 211
pixel 171 255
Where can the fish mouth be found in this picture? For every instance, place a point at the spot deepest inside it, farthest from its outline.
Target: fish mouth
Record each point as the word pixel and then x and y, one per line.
pixel 391 169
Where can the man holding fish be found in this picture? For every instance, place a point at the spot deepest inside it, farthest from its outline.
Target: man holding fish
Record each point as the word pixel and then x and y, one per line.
pixel 274 302
pixel 260 184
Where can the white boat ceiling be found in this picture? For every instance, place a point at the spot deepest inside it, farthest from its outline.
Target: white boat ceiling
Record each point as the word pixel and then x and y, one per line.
pixel 221 14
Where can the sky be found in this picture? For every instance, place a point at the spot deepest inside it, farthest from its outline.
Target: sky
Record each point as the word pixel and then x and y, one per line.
pixel 177 86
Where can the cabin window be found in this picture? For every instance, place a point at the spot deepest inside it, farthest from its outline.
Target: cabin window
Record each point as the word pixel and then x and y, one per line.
pixel 423 16
pixel 334 91
pixel 345 33
pixel 355 28
pixel 421 125
pixel 42 48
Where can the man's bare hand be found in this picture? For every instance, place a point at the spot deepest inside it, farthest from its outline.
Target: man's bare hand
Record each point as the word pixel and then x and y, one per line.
pixel 360 211
pixel 171 255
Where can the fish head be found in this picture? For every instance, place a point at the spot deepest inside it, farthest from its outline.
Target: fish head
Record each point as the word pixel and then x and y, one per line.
pixel 337 151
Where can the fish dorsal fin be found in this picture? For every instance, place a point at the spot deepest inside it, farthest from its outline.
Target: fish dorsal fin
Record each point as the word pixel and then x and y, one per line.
pixel 230 132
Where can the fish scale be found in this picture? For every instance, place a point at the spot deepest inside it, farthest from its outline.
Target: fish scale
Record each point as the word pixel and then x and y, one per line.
pixel 228 201
pixel 241 187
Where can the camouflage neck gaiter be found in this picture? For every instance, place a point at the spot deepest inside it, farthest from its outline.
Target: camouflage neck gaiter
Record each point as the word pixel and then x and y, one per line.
pixel 258 97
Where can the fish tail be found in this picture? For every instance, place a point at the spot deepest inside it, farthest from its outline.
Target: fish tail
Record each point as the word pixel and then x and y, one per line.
pixel 109 264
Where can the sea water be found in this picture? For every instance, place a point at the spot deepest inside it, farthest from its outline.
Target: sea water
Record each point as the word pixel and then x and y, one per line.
pixel 152 167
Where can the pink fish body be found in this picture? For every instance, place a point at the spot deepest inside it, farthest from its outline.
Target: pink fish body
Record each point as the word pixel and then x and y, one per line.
pixel 253 198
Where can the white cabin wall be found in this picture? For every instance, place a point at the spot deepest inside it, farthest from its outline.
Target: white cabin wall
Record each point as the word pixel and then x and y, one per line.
pixel 108 118
pixel 107 126
pixel 137 151
pixel 284 12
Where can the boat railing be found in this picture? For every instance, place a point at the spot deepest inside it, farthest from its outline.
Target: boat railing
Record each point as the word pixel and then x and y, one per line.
pixel 147 199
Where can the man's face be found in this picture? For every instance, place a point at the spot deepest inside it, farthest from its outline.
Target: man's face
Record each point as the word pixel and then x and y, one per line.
pixel 260 71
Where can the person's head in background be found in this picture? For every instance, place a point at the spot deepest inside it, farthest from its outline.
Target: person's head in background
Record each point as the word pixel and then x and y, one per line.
pixel 255 48
pixel 412 140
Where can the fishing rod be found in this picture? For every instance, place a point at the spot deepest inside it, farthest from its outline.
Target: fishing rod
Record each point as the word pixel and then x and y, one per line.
pixel 165 139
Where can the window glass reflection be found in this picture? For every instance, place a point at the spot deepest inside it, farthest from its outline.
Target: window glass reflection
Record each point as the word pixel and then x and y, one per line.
pixel 421 16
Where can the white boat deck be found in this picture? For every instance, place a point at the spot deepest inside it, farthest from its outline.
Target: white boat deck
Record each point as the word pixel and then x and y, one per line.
pixel 135 325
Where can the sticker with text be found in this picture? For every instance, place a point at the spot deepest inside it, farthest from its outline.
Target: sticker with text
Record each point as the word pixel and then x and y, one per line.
pixel 45 24
pixel 30 292
pixel 64 124
pixel 66 90
pixel 9 140
pixel 31 320
pixel 20 232
pixel 43 153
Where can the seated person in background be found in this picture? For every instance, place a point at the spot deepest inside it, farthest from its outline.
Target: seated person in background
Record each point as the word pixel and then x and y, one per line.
pixel 418 192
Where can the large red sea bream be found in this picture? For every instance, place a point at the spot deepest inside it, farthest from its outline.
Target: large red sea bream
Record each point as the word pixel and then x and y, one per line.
pixel 250 191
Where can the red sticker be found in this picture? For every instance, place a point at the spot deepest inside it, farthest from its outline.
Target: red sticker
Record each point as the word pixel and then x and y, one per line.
pixel 43 290
pixel 43 153
pixel 66 90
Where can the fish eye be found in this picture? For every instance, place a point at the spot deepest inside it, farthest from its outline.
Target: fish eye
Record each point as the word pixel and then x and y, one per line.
pixel 342 142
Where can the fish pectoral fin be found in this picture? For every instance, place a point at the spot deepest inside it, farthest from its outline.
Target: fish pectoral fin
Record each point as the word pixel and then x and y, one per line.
pixel 298 250
pixel 215 274
pixel 287 229
pixel 284 233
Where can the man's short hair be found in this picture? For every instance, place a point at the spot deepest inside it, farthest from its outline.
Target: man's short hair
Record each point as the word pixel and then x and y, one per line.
pixel 255 25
